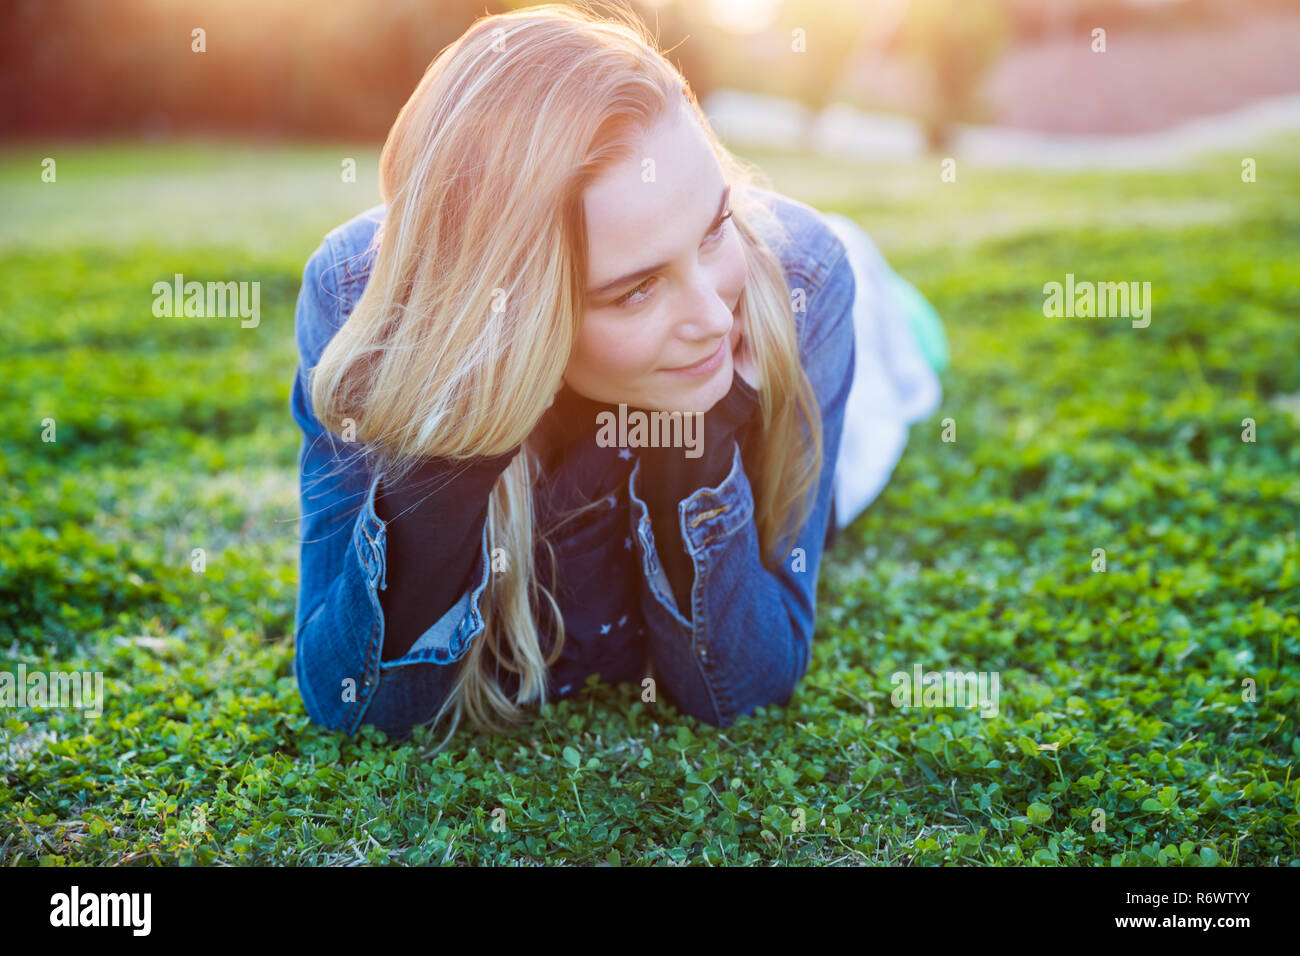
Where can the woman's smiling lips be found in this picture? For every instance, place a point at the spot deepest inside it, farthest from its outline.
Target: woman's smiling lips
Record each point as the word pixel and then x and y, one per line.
pixel 704 367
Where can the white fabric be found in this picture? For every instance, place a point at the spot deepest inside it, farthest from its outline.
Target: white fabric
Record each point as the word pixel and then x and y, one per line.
pixel 893 384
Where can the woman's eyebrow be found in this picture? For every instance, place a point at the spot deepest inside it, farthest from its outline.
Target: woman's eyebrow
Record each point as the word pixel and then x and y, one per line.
pixel 642 273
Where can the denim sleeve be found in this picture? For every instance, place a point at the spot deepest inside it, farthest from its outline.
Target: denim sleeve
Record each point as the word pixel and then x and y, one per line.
pixel 748 639
pixel 339 626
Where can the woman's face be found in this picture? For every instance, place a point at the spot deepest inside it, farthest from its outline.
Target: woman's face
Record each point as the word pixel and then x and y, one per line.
pixel 664 276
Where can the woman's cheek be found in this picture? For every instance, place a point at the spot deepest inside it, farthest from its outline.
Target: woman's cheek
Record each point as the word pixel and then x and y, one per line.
pixel 627 351
pixel 619 357
pixel 735 273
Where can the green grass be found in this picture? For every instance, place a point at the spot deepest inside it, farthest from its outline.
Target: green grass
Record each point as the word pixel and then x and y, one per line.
pixel 1120 691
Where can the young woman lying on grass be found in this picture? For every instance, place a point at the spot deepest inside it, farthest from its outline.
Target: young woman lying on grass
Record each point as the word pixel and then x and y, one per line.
pixel 565 253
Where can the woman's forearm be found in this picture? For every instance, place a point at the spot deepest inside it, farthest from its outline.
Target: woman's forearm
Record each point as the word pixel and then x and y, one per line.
pixel 434 517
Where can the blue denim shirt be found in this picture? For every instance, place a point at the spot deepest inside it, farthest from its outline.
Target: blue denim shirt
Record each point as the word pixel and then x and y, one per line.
pixel 744 642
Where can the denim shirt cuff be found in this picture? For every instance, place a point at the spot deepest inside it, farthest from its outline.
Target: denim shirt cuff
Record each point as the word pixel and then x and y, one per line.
pixel 448 639
pixel 707 517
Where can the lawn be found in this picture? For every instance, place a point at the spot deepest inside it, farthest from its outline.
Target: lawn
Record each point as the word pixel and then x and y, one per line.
pixel 1161 691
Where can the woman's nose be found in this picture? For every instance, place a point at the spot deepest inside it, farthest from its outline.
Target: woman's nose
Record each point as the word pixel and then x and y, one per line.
pixel 704 314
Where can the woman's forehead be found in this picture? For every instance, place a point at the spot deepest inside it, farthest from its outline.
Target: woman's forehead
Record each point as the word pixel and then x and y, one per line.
pixel 653 204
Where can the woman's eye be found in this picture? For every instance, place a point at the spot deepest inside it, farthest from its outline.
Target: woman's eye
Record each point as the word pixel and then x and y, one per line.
pixel 624 299
pixel 716 234
pixel 628 298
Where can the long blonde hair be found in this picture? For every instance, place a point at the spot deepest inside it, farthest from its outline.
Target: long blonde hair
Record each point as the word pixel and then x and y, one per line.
pixel 466 323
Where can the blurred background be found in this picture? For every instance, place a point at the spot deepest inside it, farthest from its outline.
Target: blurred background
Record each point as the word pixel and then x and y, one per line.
pixel 342 69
